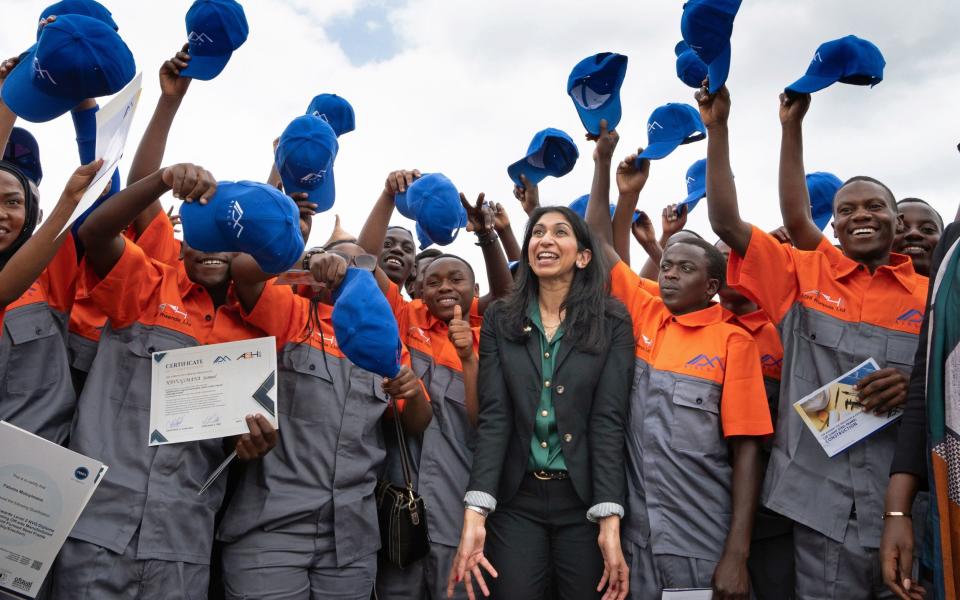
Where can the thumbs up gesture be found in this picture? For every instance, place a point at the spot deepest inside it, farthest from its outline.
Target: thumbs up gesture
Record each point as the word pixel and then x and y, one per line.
pixel 461 335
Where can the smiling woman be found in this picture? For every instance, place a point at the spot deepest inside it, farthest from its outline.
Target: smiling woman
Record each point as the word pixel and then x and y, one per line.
pixel 548 469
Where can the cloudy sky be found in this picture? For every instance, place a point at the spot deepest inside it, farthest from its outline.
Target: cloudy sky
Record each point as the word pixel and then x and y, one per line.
pixel 461 87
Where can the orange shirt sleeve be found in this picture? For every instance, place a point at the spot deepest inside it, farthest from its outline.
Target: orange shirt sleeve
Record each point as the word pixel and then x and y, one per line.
pixel 743 406
pixel 767 274
pixel 281 313
pixel 129 288
pixel 631 289
pixel 158 241
pixel 650 286
pixel 59 279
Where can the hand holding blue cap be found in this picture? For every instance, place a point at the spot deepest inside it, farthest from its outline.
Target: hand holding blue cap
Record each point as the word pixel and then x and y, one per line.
pixel 364 324
pixel 304 157
pixel 22 150
pixel 551 153
pixel 87 8
pixel 669 126
pixel 215 29
pixel 848 60
pixel 334 110
pixel 250 217
pixel 690 69
pixel 822 187
pixel 594 85
pixel 434 203
pixel 76 58
pixel 706 26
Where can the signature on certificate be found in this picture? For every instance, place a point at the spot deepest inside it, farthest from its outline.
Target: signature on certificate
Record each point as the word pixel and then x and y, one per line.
pixel 210 421
pixel 175 422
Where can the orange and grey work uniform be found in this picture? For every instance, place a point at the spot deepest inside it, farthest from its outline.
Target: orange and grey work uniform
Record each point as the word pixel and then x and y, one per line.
pixel 303 520
pixel 443 455
pixel 697 382
pixel 146 533
pixel 832 314
pixel 34 369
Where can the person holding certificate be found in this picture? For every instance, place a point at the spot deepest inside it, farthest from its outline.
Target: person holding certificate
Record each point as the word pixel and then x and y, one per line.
pixel 146 526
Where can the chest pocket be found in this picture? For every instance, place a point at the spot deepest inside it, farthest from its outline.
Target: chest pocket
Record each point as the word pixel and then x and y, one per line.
pixel 819 355
pixel 696 418
pixel 307 390
pixel 901 352
pixel 37 351
pixel 135 373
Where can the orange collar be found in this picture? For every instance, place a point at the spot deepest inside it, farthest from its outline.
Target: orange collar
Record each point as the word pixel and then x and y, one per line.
pixel 701 318
pixel 900 266
pixel 752 321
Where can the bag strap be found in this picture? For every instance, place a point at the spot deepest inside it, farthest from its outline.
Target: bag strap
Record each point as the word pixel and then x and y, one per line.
pixel 404 457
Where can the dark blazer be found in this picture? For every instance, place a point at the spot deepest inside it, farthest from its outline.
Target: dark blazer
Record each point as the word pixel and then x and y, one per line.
pixel 590 396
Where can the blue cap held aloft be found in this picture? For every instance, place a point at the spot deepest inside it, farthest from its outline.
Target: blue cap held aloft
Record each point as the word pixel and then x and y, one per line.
pixel 76 58
pixel 706 26
pixel 304 157
pixel 87 8
pixel 690 69
pixel 364 324
pixel 669 126
pixel 822 187
pixel 434 203
pixel 696 184
pixel 848 60
pixel 579 206
pixel 594 85
pixel 250 217
pixel 215 29
pixel 334 110
pixel 22 150
pixel 552 152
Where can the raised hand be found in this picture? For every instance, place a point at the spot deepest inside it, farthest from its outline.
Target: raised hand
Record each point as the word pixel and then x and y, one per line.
pixel 606 142
pixel 189 182
pixel 328 269
pixel 714 108
pixel 171 84
pixel 80 181
pixel 630 179
pixel 7 66
pixel 642 229
pixel 461 335
pixel 398 181
pixel 528 195
pixel 673 219
pixel 501 220
pixel 307 210
pixel 174 219
pixel 793 108
pixel 480 219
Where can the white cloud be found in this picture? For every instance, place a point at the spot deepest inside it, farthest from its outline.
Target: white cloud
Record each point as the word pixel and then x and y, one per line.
pixel 472 82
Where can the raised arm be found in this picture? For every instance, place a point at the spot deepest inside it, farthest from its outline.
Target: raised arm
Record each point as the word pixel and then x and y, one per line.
pixel 630 182
pixel 100 233
pixel 645 235
pixel 375 228
pixel 480 218
pixel 598 207
pixel 27 263
pixel 721 191
pixel 528 195
pixel 7 117
pixel 501 224
pixel 794 197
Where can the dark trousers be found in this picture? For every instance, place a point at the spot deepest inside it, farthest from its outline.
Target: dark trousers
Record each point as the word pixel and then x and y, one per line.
pixel 541 539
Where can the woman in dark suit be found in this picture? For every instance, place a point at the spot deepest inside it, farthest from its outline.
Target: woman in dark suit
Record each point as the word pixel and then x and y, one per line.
pixel 547 487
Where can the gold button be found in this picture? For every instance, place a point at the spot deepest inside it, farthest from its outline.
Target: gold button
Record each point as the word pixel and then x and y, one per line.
pixel 546 383
pixel 559 389
pixel 543 444
pixel 546 355
pixel 544 413
pixel 567 437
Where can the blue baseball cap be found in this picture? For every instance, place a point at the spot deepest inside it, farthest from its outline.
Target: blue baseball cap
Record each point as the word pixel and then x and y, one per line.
pixel 706 26
pixel 250 217
pixel 696 184
pixel 434 203
pixel 669 126
pixel 77 57
pixel 334 110
pixel 690 69
pixel 848 60
pixel 579 206
pixel 552 152
pixel 822 187
pixel 87 8
pixel 594 85
pixel 304 158
pixel 364 324
pixel 22 150
pixel 215 28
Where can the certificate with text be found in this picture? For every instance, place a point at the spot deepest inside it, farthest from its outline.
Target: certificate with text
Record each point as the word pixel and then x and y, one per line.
pixel 206 392
pixel 43 490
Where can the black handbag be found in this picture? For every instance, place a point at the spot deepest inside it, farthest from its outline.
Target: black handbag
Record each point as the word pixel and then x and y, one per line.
pixel 401 512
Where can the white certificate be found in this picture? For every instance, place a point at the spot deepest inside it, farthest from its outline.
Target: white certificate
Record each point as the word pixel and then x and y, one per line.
pixel 687 594
pixel 43 490
pixel 206 392
pixel 113 125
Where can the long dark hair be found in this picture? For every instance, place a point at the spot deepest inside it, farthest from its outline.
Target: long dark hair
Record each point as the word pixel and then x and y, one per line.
pixel 32 211
pixel 587 303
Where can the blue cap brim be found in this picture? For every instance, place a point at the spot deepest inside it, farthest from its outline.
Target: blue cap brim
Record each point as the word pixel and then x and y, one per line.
pixel 533 174
pixel 718 70
pixel 591 117
pixel 200 230
pixel 323 196
pixel 657 150
pixel 29 102
pixel 693 198
pixel 809 84
pixel 425 240
pixel 205 68
pixel 403 207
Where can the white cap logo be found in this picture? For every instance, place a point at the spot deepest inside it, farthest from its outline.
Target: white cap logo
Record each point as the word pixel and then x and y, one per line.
pixel 313 177
pixel 236 215
pixel 323 116
pixel 41 73
pixel 199 38
pixel 653 125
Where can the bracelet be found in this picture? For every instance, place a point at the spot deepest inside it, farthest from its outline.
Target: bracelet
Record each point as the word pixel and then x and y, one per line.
pixel 894 513
pixel 305 263
pixel 483 512
pixel 486 238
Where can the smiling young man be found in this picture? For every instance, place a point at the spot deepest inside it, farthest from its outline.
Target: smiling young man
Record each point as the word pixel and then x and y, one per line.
pixel 698 412
pixel 921 228
pixel 834 310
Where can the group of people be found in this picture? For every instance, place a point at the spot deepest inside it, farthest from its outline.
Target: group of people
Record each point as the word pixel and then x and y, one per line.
pixel 582 430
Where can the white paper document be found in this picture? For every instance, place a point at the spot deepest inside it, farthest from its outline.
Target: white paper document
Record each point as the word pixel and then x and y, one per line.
pixel 43 490
pixel 687 594
pixel 206 392
pixel 834 414
pixel 113 125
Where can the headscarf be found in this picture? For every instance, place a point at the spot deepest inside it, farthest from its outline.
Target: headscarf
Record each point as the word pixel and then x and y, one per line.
pixel 32 207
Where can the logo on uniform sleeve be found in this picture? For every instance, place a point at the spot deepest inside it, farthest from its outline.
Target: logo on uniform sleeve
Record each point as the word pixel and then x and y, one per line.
pixel 645 342
pixel 704 362
pixel 912 316
pixel 199 38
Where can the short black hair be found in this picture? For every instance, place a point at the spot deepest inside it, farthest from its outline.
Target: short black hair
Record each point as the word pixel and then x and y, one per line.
pixel 428 253
pixel 891 199
pixel 400 227
pixel 455 257
pixel 925 203
pixel 716 264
